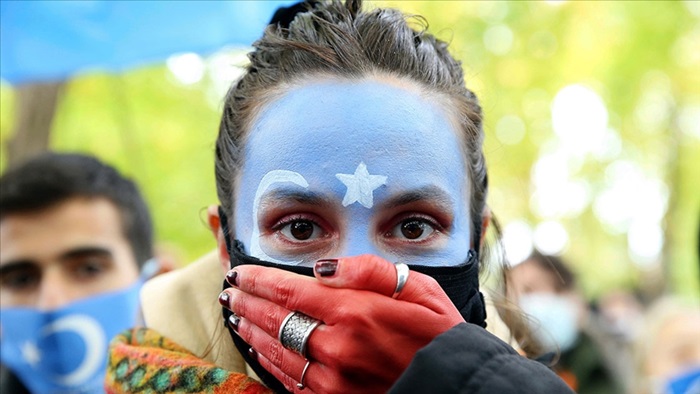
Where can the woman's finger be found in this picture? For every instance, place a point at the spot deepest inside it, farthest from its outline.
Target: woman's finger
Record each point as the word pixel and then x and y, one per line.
pixel 373 273
pixel 263 313
pixel 291 291
pixel 354 319
pixel 310 377
pixel 288 366
pixel 257 314
pixel 318 379
pixel 367 272
pixel 269 349
pixel 363 329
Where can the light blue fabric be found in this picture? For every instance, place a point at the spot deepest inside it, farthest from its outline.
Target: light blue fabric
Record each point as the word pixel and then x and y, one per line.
pixel 49 40
pixel 65 350
pixel 687 382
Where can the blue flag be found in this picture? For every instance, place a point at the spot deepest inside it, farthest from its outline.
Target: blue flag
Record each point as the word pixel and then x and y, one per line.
pixel 65 350
pixel 52 40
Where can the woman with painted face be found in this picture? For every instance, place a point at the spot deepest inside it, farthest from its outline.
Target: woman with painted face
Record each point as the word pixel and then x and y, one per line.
pixel 352 190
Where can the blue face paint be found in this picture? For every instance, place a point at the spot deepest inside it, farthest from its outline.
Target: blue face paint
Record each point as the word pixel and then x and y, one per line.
pixel 65 350
pixel 340 168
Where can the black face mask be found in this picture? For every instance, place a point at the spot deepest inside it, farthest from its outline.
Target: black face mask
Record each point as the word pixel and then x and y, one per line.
pixel 460 283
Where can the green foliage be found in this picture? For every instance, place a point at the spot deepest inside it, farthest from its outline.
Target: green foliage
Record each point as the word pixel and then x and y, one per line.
pixel 641 58
pixel 155 131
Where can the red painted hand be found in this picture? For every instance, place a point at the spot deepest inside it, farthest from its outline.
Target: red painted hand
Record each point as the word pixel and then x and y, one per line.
pixel 367 338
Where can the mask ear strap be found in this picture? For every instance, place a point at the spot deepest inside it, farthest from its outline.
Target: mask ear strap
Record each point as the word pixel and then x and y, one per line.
pixel 223 220
pixel 149 269
pixel 473 256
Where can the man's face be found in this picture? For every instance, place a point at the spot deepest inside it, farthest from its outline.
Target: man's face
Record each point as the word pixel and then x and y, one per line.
pixel 70 251
pixel 339 168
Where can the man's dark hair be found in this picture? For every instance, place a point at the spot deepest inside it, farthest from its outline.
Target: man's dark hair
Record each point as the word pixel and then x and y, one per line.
pixel 52 178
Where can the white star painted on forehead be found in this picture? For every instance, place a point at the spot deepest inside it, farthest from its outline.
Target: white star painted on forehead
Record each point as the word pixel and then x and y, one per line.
pixel 361 186
pixel 30 353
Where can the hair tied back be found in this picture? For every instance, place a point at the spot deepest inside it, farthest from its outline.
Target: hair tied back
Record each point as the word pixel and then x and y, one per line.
pixel 284 16
pixel 353 6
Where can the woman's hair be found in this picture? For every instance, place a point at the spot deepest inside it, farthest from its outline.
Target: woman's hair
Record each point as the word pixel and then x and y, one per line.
pixel 339 40
pixel 342 40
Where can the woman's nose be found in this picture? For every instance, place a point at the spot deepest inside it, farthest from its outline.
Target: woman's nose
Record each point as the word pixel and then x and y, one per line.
pixel 359 242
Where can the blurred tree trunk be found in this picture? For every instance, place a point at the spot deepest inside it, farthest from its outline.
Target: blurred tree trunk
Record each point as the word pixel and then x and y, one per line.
pixel 35 106
pixel 680 261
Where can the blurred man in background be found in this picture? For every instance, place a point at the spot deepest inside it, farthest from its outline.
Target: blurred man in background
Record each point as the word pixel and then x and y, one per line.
pixel 545 289
pixel 75 238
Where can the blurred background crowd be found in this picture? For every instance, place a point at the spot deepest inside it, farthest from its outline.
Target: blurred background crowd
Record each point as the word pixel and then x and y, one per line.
pixel 593 138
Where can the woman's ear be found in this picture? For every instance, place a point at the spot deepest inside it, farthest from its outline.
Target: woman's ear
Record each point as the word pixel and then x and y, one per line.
pixel 485 221
pixel 215 227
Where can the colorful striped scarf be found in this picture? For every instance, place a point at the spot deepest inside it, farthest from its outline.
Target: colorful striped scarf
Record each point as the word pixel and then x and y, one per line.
pixel 143 361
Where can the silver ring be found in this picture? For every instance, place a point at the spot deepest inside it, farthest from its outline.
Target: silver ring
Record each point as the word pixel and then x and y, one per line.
pixel 295 331
pixel 401 278
pixel 300 385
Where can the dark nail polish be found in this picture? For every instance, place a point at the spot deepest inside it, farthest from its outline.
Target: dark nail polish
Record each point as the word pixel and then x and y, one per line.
pixel 253 354
pixel 223 299
pixel 232 278
pixel 234 321
pixel 326 267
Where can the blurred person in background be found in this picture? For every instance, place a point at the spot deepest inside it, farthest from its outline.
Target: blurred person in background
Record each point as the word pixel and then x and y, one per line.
pixel 75 238
pixel 667 350
pixel 617 317
pixel 545 289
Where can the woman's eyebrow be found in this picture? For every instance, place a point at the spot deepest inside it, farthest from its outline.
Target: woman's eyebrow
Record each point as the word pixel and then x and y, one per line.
pixel 433 194
pixel 300 196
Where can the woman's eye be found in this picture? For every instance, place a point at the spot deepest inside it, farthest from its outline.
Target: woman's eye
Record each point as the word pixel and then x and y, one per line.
pixel 301 230
pixel 413 230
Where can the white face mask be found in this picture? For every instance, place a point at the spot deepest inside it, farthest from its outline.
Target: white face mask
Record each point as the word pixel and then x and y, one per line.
pixel 552 319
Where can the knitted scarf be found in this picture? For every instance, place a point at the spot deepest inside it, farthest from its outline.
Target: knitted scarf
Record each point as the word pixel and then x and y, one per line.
pixel 142 360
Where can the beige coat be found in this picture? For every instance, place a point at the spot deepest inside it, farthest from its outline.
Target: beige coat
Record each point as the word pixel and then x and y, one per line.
pixel 182 305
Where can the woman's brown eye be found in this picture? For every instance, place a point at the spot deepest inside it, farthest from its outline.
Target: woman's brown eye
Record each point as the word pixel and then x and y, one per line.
pixel 301 230
pixel 413 229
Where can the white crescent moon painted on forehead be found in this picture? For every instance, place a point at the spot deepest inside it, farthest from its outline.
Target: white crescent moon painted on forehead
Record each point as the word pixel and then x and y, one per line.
pixel 95 346
pixel 272 177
